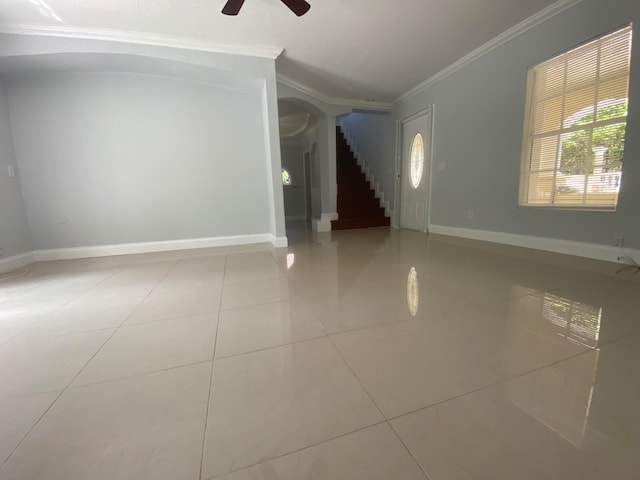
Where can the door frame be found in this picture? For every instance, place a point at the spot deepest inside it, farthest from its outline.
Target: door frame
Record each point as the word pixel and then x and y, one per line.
pixel 429 113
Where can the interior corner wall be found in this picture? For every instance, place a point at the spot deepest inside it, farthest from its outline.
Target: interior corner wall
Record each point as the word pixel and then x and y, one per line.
pixel 115 158
pixel 294 194
pixel 374 136
pixel 478 125
pixel 14 229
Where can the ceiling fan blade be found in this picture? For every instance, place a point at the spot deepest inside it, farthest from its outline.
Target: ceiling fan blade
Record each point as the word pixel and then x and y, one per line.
pixel 233 7
pixel 299 7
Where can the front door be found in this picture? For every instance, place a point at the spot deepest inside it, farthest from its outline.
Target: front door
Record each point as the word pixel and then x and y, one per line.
pixel 414 175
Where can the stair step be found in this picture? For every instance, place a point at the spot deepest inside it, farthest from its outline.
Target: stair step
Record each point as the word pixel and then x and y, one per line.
pixel 353 176
pixel 346 165
pixel 353 223
pixel 357 202
pixel 354 189
pixel 367 212
pixel 352 173
pixel 368 196
pixel 358 206
pixel 352 185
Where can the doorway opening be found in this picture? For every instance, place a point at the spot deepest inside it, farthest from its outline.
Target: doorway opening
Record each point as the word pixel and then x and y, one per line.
pixel 298 146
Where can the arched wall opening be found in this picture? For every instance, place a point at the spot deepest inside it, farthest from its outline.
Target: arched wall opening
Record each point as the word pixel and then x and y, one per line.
pixel 298 126
pixel 325 137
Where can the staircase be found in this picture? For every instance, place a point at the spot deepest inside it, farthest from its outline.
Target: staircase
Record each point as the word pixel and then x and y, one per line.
pixel 358 206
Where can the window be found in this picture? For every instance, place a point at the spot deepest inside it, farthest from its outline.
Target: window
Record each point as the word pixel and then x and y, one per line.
pixel 417 160
pixel 575 127
pixel 286 177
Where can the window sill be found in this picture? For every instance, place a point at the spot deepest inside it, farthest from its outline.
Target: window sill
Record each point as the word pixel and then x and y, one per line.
pixel 570 208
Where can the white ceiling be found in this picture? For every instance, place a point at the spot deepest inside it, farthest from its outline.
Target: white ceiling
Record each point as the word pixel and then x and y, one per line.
pixel 355 49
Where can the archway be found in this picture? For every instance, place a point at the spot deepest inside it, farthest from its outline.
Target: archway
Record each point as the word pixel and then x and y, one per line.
pixel 298 127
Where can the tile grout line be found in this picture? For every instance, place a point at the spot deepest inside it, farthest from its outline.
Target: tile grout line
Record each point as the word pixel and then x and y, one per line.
pixel 272 347
pixel 161 320
pixel 504 380
pixel 281 300
pixel 260 350
pixel 422 469
pixel 65 388
pixel 136 375
pixel 40 320
pixel 213 358
pixel 298 450
pixel 511 378
pixel 84 366
pixel 490 304
pixel 386 420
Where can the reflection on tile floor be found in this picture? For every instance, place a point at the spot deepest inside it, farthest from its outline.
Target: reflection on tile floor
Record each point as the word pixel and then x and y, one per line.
pixel 354 355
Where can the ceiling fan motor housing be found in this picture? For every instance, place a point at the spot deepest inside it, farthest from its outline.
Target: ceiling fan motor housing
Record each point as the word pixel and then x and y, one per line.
pixel 299 7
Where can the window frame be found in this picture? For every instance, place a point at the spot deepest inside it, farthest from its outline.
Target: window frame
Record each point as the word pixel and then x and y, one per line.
pixel 529 124
pixel 422 155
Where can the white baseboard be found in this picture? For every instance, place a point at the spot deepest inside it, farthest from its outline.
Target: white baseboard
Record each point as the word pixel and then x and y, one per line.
pixel 148 247
pixel 320 225
pixel 279 242
pixel 17 261
pixel 568 247
pixel 324 223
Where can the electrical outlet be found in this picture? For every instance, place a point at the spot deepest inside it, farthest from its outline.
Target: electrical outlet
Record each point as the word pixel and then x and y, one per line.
pixel 470 214
pixel 11 171
pixel 618 239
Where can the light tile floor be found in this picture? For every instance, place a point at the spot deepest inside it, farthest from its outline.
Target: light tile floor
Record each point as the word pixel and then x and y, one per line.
pixel 354 355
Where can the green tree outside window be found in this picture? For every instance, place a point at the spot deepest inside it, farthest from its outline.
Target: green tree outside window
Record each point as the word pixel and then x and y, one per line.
pixel 575 158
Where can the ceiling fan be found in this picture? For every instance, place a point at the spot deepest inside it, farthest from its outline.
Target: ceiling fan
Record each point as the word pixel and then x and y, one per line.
pixel 299 7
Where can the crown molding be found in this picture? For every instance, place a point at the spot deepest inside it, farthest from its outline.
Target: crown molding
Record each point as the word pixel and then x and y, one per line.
pixel 522 27
pixel 153 39
pixel 340 102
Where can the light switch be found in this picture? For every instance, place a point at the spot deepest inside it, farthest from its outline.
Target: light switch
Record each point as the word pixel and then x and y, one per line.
pixel 11 170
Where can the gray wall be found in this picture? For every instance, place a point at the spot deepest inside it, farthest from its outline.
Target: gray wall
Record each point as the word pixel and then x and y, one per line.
pixel 479 112
pixel 294 195
pixel 373 137
pixel 14 231
pixel 123 158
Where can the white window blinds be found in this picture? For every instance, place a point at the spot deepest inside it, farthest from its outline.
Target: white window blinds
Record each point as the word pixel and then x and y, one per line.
pixel 575 127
